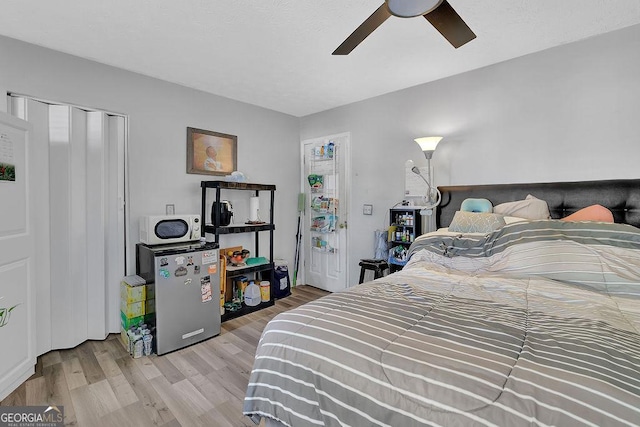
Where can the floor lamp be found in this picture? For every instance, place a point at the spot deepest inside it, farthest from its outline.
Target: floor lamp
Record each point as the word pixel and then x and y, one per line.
pixel 428 145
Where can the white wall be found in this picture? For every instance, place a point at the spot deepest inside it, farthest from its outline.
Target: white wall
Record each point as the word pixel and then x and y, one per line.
pixel 3 105
pixel 159 114
pixel 566 114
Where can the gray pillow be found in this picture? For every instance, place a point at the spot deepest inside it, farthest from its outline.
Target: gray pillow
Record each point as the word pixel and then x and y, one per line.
pixel 475 222
pixel 529 208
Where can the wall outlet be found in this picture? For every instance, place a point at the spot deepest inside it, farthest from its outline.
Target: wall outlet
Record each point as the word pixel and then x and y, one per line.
pixel 367 209
pixel 170 209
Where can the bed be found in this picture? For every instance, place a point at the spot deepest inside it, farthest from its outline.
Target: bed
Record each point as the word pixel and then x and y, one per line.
pixel 534 323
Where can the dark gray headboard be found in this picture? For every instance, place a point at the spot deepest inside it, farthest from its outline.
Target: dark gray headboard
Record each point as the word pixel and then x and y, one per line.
pixel 622 197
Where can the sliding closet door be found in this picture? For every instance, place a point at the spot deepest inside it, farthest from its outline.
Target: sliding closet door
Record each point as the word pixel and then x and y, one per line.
pixel 96 217
pixel 80 234
pixel 68 187
pixel 104 212
pixel 115 218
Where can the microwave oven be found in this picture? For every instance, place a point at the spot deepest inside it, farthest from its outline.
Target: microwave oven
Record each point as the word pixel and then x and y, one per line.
pixel 164 229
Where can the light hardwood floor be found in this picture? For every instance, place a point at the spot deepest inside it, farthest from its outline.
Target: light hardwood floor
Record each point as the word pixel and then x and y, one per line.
pixel 99 384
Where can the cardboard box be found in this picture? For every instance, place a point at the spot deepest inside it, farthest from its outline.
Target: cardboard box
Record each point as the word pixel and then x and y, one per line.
pixel 150 319
pixel 126 322
pixel 130 293
pixel 124 338
pixel 150 306
pixel 133 309
pixel 133 280
pixel 150 291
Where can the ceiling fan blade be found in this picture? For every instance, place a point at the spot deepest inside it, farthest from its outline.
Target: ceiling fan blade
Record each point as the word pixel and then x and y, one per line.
pixel 450 25
pixel 366 28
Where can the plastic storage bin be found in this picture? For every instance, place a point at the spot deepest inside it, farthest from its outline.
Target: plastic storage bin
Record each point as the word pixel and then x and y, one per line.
pixel 282 284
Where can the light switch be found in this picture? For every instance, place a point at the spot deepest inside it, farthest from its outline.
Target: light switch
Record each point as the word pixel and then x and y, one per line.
pixel 367 209
pixel 170 209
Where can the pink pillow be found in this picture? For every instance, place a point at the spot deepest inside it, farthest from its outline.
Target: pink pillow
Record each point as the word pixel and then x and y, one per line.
pixel 591 213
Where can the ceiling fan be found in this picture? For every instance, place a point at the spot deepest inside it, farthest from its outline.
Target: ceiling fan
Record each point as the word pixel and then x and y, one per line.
pixel 438 12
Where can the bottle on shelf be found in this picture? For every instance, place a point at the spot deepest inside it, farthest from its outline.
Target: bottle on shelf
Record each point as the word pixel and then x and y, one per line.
pixel 252 295
pixel 405 226
pixel 234 304
pixel 147 341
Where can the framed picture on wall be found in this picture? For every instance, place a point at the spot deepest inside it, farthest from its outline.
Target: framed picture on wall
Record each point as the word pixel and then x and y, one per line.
pixel 211 153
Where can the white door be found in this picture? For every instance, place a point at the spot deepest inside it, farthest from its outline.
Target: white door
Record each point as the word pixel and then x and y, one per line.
pixel 17 315
pixel 324 234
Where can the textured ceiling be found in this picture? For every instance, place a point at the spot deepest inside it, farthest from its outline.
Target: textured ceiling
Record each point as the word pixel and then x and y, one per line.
pixel 277 53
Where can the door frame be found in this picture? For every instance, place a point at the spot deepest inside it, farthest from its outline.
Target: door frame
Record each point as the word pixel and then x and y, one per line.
pixel 347 208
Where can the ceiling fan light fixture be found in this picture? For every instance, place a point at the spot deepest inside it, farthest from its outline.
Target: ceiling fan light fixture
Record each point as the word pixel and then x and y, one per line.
pixel 411 8
pixel 438 13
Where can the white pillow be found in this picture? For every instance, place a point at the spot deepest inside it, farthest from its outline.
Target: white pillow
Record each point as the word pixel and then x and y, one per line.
pixel 529 208
pixel 475 222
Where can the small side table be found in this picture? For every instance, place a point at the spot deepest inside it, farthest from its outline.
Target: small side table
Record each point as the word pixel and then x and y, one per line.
pixel 377 265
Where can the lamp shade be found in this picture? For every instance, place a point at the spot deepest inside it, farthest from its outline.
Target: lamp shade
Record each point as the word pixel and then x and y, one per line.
pixel 428 143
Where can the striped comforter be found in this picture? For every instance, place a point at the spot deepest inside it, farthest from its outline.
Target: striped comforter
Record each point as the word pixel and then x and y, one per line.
pixel 535 324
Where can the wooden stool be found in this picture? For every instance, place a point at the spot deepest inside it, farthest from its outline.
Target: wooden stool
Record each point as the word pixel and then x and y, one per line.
pixel 377 265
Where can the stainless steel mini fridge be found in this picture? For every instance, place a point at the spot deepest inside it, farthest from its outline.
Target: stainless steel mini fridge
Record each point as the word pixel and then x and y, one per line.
pixel 187 292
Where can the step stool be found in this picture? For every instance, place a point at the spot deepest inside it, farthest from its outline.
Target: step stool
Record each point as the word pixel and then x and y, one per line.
pixel 377 265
